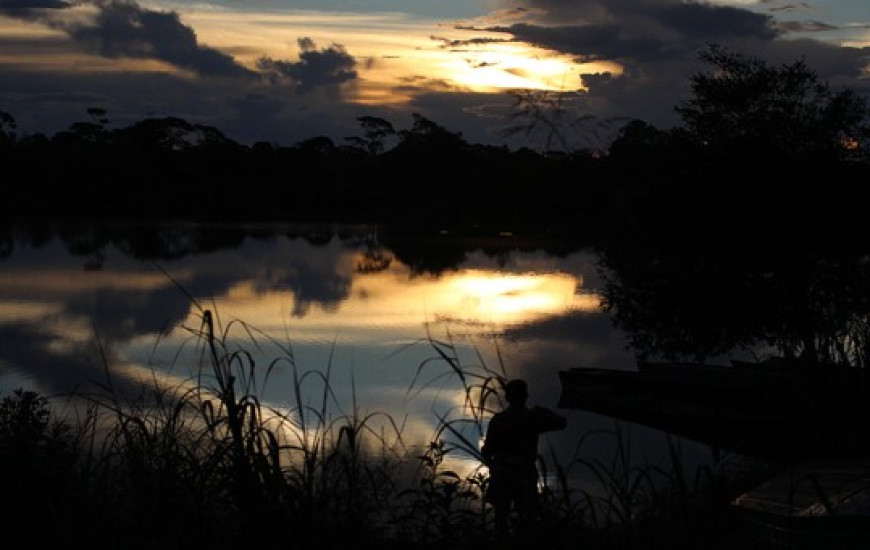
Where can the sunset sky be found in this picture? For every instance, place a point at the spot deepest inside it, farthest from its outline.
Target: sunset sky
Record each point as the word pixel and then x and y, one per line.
pixel 287 70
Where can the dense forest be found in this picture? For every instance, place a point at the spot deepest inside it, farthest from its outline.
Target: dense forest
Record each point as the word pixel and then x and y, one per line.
pixel 760 148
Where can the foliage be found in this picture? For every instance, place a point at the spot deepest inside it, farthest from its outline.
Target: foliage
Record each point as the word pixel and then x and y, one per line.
pixel 427 137
pixel 39 467
pixel 205 462
pixel 7 127
pixel 376 130
pixel 553 122
pixel 24 418
pixel 744 106
pixel 444 506
pixel 693 304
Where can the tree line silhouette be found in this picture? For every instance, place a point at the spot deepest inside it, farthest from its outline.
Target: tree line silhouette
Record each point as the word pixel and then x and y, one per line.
pixel 761 150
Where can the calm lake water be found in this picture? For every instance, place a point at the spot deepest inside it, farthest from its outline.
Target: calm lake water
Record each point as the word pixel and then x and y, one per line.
pixel 79 308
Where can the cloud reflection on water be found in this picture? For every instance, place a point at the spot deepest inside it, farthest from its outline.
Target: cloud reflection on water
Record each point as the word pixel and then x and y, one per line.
pixel 310 309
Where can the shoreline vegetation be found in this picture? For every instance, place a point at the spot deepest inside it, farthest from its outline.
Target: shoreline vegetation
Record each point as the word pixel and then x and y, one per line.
pixel 206 463
pixel 759 195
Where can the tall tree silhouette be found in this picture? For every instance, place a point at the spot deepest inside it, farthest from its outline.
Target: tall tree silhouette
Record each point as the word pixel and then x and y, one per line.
pixel 745 106
pixel 376 130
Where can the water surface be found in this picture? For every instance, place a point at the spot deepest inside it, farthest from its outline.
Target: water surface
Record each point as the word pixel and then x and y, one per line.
pixel 79 309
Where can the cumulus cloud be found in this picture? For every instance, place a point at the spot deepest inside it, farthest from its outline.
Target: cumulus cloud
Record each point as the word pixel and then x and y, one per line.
pixel 121 28
pixel 30 9
pixel 646 29
pixel 316 68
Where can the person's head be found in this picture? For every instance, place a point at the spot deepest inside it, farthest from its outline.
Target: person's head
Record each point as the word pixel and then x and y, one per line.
pixel 516 392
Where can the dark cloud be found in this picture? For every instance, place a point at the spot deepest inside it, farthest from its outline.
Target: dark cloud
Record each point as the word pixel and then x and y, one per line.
pixel 639 30
pixel 310 287
pixel 127 314
pixel 325 67
pixel 30 9
pixel 802 6
pixel 460 43
pixel 31 351
pixel 123 29
pixel 31 4
pixel 588 43
pixel 805 26
pixel 704 22
pixel 655 44
pixel 839 66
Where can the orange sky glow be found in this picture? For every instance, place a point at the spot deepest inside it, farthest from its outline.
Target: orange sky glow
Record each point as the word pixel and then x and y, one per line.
pixel 393 50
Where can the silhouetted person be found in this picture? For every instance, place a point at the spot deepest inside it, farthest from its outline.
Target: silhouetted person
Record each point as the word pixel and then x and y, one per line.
pixel 510 449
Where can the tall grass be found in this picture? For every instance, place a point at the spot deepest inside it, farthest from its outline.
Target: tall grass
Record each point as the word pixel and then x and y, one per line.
pixel 205 462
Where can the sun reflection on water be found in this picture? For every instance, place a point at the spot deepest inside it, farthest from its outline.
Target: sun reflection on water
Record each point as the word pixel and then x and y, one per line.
pixel 395 307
